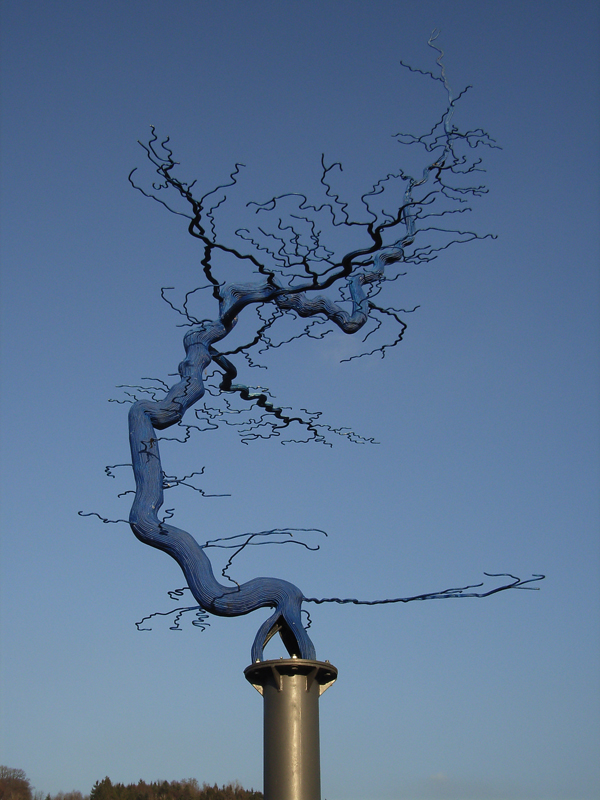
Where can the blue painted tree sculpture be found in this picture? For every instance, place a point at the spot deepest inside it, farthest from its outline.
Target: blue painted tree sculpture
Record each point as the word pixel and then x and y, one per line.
pixel 296 275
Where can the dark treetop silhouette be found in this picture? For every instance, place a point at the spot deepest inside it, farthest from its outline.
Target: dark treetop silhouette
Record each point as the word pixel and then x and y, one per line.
pixel 401 222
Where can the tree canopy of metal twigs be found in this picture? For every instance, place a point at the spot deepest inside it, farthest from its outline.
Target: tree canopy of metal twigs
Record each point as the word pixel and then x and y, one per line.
pixel 290 268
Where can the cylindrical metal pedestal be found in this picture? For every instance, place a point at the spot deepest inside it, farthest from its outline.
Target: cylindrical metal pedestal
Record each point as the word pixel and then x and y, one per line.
pixel 291 689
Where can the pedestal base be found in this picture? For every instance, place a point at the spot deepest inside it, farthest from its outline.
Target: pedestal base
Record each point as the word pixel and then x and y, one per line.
pixel 291 689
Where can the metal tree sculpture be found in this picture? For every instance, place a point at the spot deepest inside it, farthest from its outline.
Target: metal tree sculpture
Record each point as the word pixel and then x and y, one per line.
pixel 295 269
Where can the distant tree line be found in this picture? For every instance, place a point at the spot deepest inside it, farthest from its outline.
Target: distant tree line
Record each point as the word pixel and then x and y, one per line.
pixel 15 785
pixel 187 789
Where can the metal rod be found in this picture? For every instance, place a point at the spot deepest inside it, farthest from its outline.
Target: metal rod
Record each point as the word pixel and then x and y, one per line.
pixel 291 689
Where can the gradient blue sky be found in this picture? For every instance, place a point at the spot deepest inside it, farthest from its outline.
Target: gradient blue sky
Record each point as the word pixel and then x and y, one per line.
pixel 487 414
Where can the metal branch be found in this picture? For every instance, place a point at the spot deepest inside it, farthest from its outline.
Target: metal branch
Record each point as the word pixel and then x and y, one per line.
pixel 444 594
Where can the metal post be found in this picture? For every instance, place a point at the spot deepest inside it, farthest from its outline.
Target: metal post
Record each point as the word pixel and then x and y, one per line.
pixel 291 689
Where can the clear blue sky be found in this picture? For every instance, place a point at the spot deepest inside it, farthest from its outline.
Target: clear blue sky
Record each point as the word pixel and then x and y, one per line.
pixel 487 415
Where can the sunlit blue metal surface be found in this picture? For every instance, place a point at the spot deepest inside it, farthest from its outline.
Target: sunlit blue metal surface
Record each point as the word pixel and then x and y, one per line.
pixel 146 417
